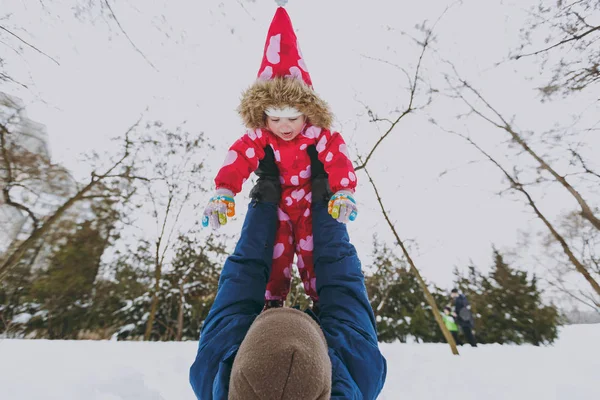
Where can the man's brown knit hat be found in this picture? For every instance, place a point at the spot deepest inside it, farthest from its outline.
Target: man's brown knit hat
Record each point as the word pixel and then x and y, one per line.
pixel 283 356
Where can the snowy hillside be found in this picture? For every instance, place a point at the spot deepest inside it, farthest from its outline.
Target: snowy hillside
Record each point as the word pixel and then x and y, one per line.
pixel 70 370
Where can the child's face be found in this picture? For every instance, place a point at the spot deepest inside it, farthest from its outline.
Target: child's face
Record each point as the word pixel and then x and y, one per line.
pixel 446 311
pixel 286 128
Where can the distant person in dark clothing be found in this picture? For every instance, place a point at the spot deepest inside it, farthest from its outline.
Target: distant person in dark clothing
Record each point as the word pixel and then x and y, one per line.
pixel 464 316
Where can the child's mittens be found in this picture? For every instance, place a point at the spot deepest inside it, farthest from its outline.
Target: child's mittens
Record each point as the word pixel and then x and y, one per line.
pixel 220 206
pixel 342 206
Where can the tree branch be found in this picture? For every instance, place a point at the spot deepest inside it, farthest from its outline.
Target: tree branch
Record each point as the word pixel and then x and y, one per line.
pixel 583 164
pixel 114 16
pixel 517 186
pixel 28 44
pixel 408 109
pixel 415 271
pixel 564 41
pixel 586 211
pixel 38 233
pixel 9 178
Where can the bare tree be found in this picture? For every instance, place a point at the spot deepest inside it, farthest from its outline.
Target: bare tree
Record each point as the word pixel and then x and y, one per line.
pixel 585 243
pixel 500 122
pixel 362 165
pixel 411 107
pixel 518 186
pixel 176 162
pixel 428 296
pixel 565 36
pixel 107 183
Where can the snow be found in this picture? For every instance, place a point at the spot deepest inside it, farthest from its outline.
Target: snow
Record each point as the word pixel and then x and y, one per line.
pixel 22 318
pixel 107 370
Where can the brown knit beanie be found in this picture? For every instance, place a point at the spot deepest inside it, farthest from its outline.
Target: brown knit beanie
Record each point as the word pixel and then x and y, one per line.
pixel 283 356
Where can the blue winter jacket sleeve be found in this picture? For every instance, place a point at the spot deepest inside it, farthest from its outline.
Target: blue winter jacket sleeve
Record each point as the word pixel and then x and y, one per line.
pixel 347 319
pixel 239 300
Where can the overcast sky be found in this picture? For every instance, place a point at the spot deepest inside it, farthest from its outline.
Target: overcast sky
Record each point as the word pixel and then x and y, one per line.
pixel 199 56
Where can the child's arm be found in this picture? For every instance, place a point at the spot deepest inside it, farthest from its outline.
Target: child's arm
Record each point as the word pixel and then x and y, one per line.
pixel 336 161
pixel 332 152
pixel 241 160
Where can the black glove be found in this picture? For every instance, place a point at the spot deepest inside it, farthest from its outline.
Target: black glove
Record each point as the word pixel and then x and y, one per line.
pixel 321 191
pixel 268 187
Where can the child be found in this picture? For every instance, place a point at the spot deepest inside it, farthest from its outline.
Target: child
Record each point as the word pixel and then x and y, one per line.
pixel 282 111
pixel 450 323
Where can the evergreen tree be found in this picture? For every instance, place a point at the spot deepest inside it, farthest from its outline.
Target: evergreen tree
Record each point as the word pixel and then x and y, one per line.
pixel 64 290
pixel 398 301
pixel 508 307
pixel 187 290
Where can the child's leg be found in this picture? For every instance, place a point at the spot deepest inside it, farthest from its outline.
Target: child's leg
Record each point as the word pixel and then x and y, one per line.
pixel 280 279
pixel 304 250
pixel 455 336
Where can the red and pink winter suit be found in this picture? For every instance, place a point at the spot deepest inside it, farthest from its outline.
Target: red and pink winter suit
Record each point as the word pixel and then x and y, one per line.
pixel 294 229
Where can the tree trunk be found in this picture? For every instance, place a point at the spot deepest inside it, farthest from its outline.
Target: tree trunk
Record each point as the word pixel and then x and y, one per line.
pixel 567 250
pixel 414 270
pixel 586 210
pixel 180 314
pixel 154 306
pixel 16 255
pixel 574 260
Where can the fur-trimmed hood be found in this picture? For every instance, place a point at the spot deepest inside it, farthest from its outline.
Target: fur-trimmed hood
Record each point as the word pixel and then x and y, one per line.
pixel 279 92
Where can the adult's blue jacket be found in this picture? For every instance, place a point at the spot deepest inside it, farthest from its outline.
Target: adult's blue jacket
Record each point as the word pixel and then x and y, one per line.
pixel 358 367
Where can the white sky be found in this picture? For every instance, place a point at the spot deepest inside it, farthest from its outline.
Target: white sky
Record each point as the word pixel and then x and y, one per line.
pixel 207 52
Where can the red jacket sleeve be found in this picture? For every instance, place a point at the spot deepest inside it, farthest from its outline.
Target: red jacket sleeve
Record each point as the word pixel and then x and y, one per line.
pixel 241 160
pixel 334 156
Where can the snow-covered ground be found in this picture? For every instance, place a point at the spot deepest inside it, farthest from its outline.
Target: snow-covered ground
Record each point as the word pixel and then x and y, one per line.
pixel 96 370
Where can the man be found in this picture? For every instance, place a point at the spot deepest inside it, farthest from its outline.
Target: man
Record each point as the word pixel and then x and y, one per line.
pixel 284 353
pixel 463 315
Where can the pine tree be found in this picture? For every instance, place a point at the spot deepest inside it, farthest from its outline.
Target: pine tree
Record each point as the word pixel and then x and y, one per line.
pixel 508 306
pixel 398 301
pixel 64 290
pixel 187 290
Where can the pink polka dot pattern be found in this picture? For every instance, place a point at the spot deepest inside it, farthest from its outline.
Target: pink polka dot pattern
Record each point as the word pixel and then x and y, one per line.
pixel 278 250
pixel 230 158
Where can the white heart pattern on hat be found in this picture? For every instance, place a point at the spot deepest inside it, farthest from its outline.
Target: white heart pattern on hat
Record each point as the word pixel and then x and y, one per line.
pixel 274 49
pixel 301 62
pixel 266 73
pixel 295 73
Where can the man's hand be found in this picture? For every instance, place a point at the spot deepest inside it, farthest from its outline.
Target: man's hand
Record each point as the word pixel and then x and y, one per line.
pixel 220 206
pixel 342 206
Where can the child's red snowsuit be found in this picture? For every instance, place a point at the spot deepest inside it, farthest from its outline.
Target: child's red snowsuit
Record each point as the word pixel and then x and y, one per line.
pixel 295 222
